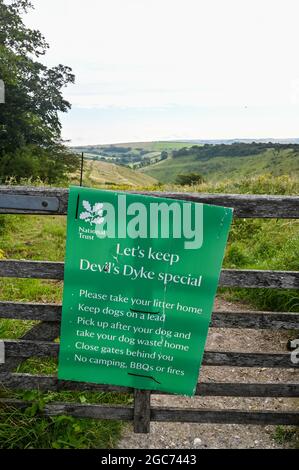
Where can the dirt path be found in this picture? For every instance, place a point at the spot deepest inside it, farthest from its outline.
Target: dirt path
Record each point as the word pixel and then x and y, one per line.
pixel 228 436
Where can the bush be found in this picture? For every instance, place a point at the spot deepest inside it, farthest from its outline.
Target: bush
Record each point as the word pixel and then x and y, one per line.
pixel 189 179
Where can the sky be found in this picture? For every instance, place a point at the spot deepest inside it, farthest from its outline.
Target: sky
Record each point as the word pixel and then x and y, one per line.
pixel 175 69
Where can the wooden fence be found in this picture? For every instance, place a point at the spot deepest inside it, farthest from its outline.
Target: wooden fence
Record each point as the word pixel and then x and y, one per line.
pixel 39 341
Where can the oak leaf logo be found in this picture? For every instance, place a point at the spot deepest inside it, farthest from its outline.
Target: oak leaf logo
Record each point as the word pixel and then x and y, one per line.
pixel 92 214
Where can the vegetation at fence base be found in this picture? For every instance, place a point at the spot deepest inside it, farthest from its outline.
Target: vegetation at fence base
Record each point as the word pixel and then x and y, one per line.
pixel 287 435
pixel 30 129
pixel 30 430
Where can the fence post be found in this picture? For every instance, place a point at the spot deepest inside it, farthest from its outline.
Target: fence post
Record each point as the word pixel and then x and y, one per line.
pixel 142 411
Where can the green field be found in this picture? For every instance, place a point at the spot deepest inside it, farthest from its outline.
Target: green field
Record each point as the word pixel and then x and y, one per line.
pixel 216 168
pixel 100 174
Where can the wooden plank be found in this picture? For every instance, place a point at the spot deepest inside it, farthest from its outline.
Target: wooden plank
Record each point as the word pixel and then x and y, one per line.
pixel 220 319
pixel 244 205
pixel 228 278
pixel 44 331
pixel 260 279
pixel 142 411
pixel 30 311
pixel 253 319
pixel 15 381
pixel 225 389
pixel 77 410
pixel 25 349
pixel 183 415
pixel 238 359
pixel 31 269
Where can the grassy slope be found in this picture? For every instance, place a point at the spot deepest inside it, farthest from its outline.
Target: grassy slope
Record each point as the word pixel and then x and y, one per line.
pixel 219 168
pixel 97 174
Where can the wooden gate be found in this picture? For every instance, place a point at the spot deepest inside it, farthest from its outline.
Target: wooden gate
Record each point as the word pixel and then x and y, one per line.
pixel 39 341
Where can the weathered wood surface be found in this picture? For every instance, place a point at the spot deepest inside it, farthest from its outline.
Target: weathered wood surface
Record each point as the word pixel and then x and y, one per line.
pixel 192 415
pixel 142 411
pixel 244 205
pixel 25 349
pixel 31 269
pixel 228 277
pixel 31 311
pixel 184 415
pixel 15 381
pixel 220 319
pixel 76 410
pixel 44 331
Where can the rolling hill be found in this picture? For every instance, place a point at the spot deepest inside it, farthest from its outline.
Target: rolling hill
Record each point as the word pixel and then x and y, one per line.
pixel 218 167
pixel 98 174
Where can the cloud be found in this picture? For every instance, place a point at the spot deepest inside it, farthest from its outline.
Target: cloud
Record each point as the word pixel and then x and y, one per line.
pixel 194 59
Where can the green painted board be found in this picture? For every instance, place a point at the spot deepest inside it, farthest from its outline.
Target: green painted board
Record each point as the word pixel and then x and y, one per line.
pixel 141 274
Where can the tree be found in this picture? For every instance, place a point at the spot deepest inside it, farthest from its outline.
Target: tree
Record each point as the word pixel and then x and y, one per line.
pixel 30 129
pixel 189 179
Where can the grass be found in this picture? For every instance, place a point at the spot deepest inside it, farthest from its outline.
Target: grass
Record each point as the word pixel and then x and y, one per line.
pixel 253 244
pixel 218 168
pixel 103 174
pixel 28 430
pixel 43 238
pixel 261 243
pixel 287 435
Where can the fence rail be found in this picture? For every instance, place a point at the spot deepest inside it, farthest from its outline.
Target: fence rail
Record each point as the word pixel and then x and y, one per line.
pixel 17 381
pixel 39 340
pixel 220 319
pixel 228 277
pixel 52 201
pixel 26 349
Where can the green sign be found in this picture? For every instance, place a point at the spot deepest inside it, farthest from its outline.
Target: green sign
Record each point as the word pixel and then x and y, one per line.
pixel 140 279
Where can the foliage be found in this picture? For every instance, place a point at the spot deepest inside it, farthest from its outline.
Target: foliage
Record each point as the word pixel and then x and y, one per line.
pixel 236 149
pixel 29 430
pixel 30 128
pixel 287 435
pixel 189 179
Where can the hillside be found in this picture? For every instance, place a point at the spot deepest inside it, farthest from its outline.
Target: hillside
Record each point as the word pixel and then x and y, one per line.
pixel 98 173
pixel 133 154
pixel 283 161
